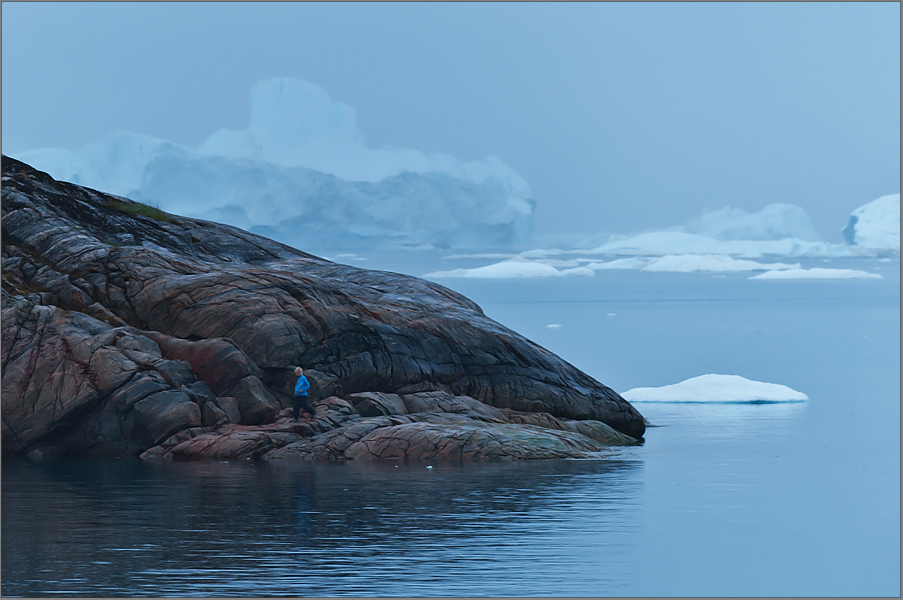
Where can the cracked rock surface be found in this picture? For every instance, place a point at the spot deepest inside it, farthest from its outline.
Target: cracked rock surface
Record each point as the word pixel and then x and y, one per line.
pixel 124 328
pixel 339 431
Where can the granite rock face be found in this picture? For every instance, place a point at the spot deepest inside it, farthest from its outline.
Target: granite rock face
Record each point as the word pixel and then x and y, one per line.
pixel 123 326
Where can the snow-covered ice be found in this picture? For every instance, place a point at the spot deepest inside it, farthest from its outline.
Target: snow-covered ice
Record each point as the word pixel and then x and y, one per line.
pixel 817 273
pixel 876 225
pixel 716 388
pixel 302 174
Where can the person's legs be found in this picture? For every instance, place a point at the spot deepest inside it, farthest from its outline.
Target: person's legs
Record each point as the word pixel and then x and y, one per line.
pixel 296 406
pixel 307 408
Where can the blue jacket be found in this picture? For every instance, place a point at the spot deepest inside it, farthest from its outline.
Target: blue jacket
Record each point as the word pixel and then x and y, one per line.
pixel 302 386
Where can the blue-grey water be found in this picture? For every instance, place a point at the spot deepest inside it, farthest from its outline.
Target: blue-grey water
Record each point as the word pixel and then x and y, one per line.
pixel 795 499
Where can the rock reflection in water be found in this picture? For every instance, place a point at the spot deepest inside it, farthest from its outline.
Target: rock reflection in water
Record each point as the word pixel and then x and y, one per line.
pixel 257 529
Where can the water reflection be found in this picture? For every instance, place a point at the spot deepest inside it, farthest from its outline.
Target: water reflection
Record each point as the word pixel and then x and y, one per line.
pixel 248 528
pixel 725 420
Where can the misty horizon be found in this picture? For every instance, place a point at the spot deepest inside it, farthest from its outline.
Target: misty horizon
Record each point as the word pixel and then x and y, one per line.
pixel 620 118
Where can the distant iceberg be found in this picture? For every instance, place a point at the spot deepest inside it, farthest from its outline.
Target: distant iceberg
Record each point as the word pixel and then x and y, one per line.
pixel 717 242
pixel 661 243
pixel 817 273
pixel 524 265
pixel 513 269
pixel 716 389
pixel 302 174
pixel 690 263
pixel 774 222
pixel 777 229
pixel 875 225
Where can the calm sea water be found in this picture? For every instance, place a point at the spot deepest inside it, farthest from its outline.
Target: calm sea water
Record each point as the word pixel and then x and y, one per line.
pixel 729 500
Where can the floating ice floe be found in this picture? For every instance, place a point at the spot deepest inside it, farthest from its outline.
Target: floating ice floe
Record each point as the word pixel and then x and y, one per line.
pixel 717 389
pixel 817 273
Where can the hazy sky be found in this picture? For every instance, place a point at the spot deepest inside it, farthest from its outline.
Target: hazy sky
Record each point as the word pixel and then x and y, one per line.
pixel 622 117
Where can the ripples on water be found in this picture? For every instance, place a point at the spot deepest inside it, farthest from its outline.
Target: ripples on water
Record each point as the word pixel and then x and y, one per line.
pixel 257 529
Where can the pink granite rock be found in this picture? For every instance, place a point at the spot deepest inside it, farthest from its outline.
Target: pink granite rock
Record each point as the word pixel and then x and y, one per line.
pixel 195 301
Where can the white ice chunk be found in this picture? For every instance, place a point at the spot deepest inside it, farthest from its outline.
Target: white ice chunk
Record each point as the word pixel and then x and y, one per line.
pixel 716 388
pixel 817 273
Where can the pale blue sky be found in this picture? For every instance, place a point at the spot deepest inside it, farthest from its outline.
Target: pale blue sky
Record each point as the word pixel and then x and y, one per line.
pixel 622 117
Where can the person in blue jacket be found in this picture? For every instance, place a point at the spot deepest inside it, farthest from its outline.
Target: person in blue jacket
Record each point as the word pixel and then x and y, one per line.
pixel 301 395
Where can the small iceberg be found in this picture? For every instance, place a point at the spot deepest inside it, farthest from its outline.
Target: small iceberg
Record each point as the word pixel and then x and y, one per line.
pixel 725 389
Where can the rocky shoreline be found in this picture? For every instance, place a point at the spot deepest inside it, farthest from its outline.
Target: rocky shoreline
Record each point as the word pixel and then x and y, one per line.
pixel 414 427
pixel 129 331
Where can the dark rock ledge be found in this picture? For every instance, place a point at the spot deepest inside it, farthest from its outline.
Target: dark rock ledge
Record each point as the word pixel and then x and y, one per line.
pixel 129 331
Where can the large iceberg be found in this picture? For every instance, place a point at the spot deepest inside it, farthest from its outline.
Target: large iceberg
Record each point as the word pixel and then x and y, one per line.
pixel 302 174
pixel 875 225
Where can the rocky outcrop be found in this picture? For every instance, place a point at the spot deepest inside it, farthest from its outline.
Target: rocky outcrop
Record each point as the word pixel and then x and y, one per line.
pixel 123 326
pixel 347 429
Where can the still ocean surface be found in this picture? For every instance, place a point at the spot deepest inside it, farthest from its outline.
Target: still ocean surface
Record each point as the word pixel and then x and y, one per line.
pixel 797 499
